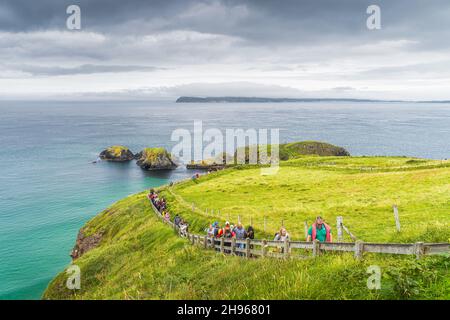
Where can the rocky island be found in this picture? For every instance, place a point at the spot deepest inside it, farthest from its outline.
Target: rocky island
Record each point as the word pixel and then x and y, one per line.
pixel 117 154
pixel 155 159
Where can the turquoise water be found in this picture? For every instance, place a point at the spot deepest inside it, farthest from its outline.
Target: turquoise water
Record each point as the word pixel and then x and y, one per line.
pixel 49 187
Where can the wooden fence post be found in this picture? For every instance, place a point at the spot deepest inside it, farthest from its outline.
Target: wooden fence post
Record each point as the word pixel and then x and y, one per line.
pixel 286 248
pixel 359 249
pixel 397 218
pixel 419 249
pixel 316 247
pixel 213 243
pixel 233 246
pixel 222 242
pixel 264 248
pixel 247 247
pixel 339 228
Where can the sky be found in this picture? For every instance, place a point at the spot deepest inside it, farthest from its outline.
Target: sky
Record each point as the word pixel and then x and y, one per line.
pixel 163 49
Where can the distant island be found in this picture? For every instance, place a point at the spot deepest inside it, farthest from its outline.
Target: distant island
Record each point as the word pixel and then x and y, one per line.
pixel 185 99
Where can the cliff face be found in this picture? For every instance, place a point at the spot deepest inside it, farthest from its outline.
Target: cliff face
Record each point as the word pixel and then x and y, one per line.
pixel 85 243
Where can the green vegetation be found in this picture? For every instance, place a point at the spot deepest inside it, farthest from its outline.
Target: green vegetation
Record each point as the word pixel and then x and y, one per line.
pixel 141 258
pixel 295 150
pixel 151 154
pixel 116 151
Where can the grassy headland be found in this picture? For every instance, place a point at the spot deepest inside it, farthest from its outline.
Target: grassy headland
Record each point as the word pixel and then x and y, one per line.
pixel 140 258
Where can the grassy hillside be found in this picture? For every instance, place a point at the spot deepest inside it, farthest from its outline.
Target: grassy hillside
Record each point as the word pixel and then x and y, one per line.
pixel 140 258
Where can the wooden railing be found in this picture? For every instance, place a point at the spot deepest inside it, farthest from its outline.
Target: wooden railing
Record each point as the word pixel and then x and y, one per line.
pixel 298 249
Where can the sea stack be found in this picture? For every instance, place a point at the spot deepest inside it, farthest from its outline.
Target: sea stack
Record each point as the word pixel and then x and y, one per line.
pixel 117 154
pixel 155 159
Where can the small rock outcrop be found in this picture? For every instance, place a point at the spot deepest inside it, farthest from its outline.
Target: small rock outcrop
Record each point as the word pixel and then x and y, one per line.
pixel 85 243
pixel 117 154
pixel 318 148
pixel 155 159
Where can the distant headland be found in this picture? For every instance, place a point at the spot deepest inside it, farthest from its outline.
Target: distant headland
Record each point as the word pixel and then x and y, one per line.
pixel 226 99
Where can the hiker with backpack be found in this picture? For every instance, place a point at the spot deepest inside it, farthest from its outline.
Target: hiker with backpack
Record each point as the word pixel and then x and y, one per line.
pixel 210 231
pixel 216 230
pixel 177 220
pixel 281 235
pixel 320 231
pixel 167 216
pixel 227 233
pixel 183 228
pixel 241 234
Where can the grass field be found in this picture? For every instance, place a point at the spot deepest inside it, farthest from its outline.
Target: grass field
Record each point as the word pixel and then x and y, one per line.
pixel 141 258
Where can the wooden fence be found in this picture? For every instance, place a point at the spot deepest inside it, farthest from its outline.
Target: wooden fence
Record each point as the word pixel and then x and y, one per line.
pixel 300 249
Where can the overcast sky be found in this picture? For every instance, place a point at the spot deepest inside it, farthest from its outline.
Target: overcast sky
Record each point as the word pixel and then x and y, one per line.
pixel 163 49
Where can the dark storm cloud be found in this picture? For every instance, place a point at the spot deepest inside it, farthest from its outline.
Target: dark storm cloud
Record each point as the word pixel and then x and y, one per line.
pixel 303 44
pixel 258 21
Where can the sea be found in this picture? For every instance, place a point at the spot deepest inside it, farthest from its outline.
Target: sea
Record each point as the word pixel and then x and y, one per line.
pixel 50 187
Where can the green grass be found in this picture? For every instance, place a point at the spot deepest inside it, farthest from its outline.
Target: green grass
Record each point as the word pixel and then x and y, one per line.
pixel 141 258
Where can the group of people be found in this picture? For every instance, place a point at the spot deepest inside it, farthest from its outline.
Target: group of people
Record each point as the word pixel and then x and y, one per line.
pixel 230 231
pixel 161 205
pixel 319 230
